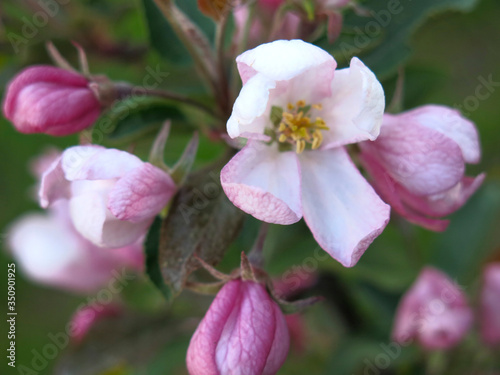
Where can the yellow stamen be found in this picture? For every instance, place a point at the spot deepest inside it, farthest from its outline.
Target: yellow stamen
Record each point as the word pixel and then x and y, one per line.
pixel 297 127
pixel 300 146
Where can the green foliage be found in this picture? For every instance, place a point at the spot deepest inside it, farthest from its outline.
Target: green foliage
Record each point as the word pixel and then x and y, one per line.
pixel 153 270
pixel 163 38
pixel 135 116
pixel 381 39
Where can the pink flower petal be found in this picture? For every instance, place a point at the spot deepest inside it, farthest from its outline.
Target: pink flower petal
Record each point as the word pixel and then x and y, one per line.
pixel 92 219
pixel 421 159
pixel 444 203
pixel 449 122
pixel 343 212
pixel 354 111
pixel 53 185
pixel 97 163
pixel 141 193
pixel 264 183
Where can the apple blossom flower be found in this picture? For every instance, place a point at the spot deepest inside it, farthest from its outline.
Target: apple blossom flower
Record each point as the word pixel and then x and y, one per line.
pixel 433 312
pixel 243 332
pixel 490 305
pixel 46 99
pixel 298 113
pixel 49 250
pixel 113 195
pixel 418 162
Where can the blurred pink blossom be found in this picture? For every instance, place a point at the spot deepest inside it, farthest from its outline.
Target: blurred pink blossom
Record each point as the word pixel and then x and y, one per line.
pixel 434 312
pixel 48 250
pixel 418 162
pixel 490 305
pixel 295 164
pixel 113 196
pixel 244 332
pixel 45 99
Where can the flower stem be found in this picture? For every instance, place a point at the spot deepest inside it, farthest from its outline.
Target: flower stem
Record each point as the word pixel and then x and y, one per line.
pixel 193 39
pixel 124 90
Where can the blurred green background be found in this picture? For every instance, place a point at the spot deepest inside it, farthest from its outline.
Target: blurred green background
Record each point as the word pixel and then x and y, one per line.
pixel 450 52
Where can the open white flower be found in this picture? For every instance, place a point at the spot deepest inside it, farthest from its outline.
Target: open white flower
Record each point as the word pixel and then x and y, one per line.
pixel 298 112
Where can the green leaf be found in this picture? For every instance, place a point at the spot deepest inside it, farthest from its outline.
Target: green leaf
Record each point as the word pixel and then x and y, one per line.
pixel 134 116
pixel 152 246
pixel 163 38
pixel 201 221
pixel 381 40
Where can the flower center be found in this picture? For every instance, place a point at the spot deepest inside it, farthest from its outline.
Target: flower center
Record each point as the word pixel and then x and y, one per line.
pixel 295 126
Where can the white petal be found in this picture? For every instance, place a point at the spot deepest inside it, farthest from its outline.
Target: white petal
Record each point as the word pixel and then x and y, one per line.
pixel 354 111
pixel 342 210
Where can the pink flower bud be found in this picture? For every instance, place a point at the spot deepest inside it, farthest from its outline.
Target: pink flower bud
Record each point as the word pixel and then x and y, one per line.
pixel 45 99
pixel 113 195
pixel 490 305
pixel 418 162
pixel 434 312
pixel 244 332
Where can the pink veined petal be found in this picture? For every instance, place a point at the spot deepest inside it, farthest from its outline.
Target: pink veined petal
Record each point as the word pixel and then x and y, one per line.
pixel 354 111
pixel 449 122
pixel 444 203
pixel 92 219
pixel 264 183
pixel 390 193
pixel 342 210
pixel 249 110
pixel 247 338
pixel 281 343
pixel 97 163
pixel 421 159
pixel 49 108
pixel 202 348
pixel 141 193
pixel 283 60
pixel 37 74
